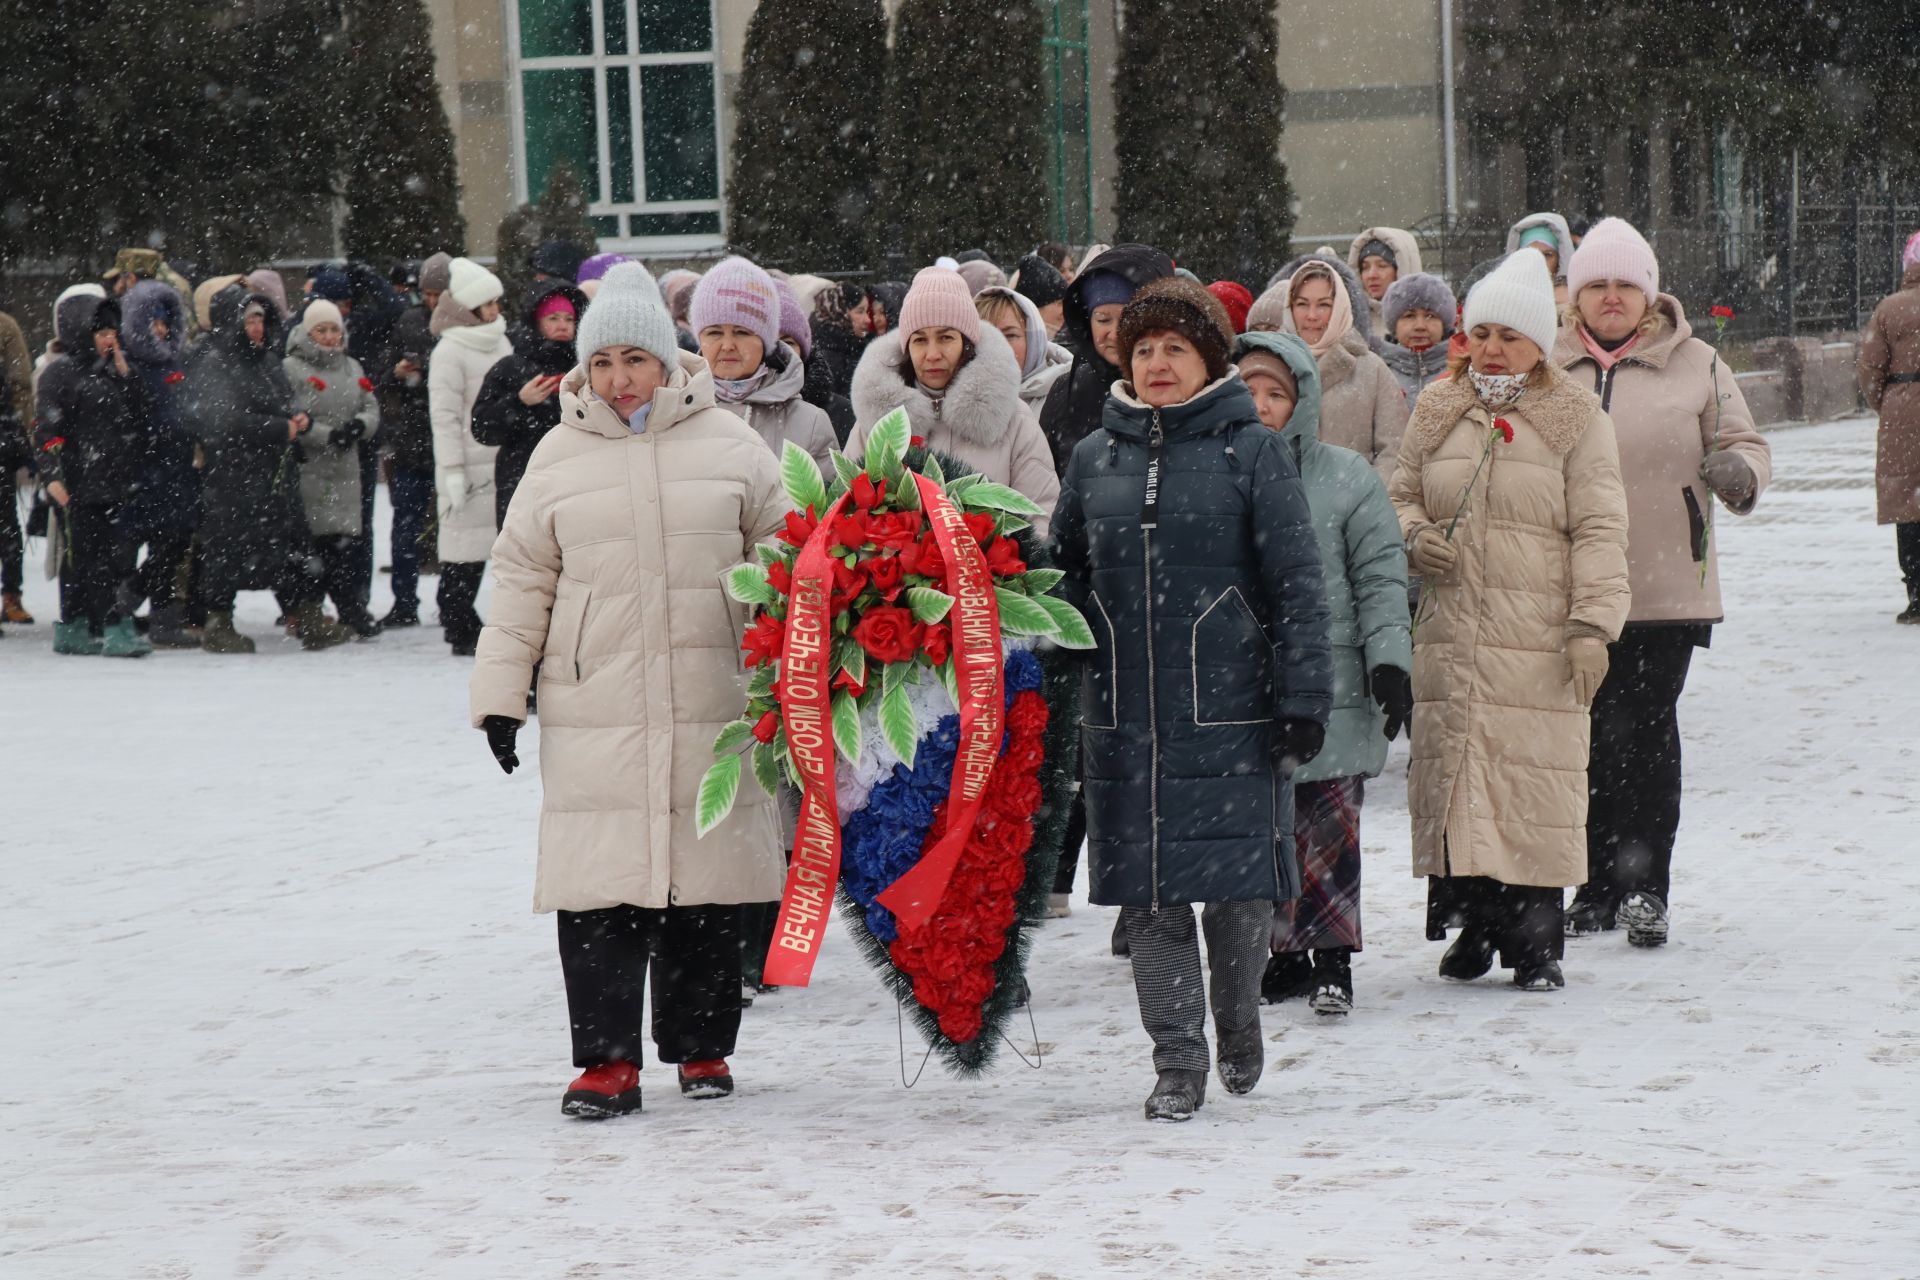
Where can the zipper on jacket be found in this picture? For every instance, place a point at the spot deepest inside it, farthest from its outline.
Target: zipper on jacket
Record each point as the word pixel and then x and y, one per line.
pixel 1149 520
pixel 1604 385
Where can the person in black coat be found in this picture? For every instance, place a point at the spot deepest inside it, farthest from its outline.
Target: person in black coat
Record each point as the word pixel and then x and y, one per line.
pixel 1075 405
pixel 1187 543
pixel 90 432
pixel 241 408
pixel 519 399
pixel 406 432
pixel 153 333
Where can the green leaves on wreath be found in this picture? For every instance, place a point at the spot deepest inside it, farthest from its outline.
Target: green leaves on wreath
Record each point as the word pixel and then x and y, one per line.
pixel 845 468
pixel 846 724
pixel 1021 616
pixel 887 445
pixel 801 477
pixel 988 496
pixel 928 605
pixel 896 724
pixel 718 787
pixel 732 737
pixel 849 657
pixel 748 583
pixel 766 767
pixel 1071 630
pixel 1037 582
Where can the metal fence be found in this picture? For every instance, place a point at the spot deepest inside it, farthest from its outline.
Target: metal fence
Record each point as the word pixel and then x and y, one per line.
pixel 1808 269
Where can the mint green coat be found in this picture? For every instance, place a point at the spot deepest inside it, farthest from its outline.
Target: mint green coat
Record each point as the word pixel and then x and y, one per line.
pixel 1364 563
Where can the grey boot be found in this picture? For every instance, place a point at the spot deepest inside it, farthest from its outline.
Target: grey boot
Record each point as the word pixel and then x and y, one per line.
pixel 315 632
pixel 220 637
pixel 1177 1095
pixel 168 629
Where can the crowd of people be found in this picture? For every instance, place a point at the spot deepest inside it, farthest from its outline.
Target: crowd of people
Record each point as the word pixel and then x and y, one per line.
pixel 1300 520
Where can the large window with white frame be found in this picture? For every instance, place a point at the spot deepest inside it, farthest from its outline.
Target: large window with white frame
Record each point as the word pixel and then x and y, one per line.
pixel 628 91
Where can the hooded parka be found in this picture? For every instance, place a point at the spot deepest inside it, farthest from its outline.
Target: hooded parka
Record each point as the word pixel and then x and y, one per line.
pixel 778 411
pixel 90 423
pixel 1499 779
pixel 466 350
pixel 979 418
pixel 1362 407
pixel 1210 625
pixel 238 403
pixel 169 498
pixel 608 574
pixel 1890 381
pixel 1406 261
pixel 329 387
pixel 1671 402
pixel 1076 402
pixel 1364 565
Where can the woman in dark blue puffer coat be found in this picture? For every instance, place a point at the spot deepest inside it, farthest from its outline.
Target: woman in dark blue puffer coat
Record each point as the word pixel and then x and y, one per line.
pixel 1188 545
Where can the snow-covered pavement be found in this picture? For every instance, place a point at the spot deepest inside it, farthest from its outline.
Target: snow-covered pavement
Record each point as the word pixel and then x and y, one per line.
pixel 274 1005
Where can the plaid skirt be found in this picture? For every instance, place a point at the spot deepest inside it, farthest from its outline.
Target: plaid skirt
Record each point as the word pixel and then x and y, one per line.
pixel 1326 837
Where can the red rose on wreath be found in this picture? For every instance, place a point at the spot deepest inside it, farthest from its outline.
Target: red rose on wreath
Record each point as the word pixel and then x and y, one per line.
pixel 924 558
pixel 849 530
pixel 780 578
pixel 897 530
pixel 889 634
pixel 845 681
pixel 799 528
pixel 885 575
pixel 937 643
pixel 764 640
pixel 980 524
pixel 867 494
pixel 847 585
pixel 1003 558
pixel 768 727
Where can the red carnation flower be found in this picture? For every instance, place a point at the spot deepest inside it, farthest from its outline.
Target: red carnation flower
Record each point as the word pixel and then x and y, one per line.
pixel 768 727
pixel 366 384
pixel 980 524
pixel 53 445
pixel 764 640
pixel 889 634
pixel 1722 313
pixel 1003 558
pixel 885 575
pixel 174 378
pixel 937 643
pixel 847 585
pixel 799 528
pixel 318 384
pixel 1505 429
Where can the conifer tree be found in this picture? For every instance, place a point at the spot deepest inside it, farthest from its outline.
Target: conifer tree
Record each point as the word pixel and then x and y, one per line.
pixel 1198 107
pixel 964 144
pixel 399 178
pixel 804 172
pixel 559 214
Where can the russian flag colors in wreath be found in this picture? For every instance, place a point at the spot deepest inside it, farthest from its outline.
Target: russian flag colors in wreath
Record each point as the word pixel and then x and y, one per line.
pixel 896 688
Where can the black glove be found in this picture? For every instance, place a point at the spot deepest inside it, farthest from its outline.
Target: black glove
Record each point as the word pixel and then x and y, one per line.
pixel 1295 742
pixel 1393 690
pixel 347 434
pixel 500 734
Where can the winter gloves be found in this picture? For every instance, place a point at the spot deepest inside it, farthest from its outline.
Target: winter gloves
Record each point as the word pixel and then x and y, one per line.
pixel 1295 742
pixel 347 435
pixel 1432 555
pixel 1729 475
pixel 453 493
pixel 1586 666
pixel 501 731
pixel 1393 690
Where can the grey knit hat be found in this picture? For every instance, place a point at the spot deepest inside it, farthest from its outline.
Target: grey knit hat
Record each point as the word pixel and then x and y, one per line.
pixel 628 312
pixel 436 273
pixel 1419 292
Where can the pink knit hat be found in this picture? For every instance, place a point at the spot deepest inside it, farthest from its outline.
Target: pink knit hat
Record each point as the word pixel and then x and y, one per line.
pixel 939 299
pixel 739 293
pixel 1911 257
pixel 1613 250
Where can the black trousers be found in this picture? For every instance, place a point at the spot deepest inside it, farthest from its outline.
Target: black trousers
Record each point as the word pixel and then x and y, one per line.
pixel 694 957
pixel 159 576
pixel 1071 842
pixel 1527 923
pixel 459 588
pixel 1906 540
pixel 340 574
pixel 13 546
pixel 1633 771
pixel 99 557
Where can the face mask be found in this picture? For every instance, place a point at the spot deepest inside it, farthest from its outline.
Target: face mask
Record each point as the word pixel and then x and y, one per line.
pixel 1498 390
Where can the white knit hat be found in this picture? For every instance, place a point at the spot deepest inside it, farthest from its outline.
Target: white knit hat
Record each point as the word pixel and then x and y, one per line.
pixel 320 312
pixel 1518 294
pixel 472 285
pixel 629 312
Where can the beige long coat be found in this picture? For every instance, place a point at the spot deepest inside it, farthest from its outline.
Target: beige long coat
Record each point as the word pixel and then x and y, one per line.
pixel 1499 780
pixel 608 573
pixel 1362 407
pixel 1892 347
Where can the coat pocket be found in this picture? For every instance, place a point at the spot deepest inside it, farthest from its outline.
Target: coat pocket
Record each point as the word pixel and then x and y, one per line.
pixel 1231 661
pixel 1696 524
pixel 560 660
pixel 1099 671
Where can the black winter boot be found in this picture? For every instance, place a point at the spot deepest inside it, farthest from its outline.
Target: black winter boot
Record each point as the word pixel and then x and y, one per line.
pixel 1910 616
pixel 1470 956
pixel 1332 982
pixel 1289 976
pixel 1121 947
pixel 1177 1095
pixel 1592 912
pixel 1241 1056
pixel 1544 976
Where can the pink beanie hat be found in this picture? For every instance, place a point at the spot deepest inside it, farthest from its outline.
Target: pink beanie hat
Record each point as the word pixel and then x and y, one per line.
pixel 939 299
pixel 737 292
pixel 1911 257
pixel 1613 250
pixel 556 301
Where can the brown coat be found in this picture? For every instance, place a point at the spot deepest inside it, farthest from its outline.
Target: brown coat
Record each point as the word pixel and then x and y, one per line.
pixel 16 370
pixel 1362 407
pixel 1499 780
pixel 1671 403
pixel 1892 346
pixel 608 573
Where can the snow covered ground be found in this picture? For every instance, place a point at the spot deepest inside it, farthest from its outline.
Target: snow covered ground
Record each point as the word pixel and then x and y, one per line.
pixel 274 1005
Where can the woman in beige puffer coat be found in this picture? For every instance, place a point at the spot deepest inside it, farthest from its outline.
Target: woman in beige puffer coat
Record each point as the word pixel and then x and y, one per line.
pixel 1522 542
pixel 960 385
pixel 608 574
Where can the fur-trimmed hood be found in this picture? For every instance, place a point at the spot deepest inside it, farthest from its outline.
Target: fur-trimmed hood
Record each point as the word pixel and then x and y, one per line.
pixel 1560 412
pixel 976 406
pixel 1406 250
pixel 1561 237
pixel 146 302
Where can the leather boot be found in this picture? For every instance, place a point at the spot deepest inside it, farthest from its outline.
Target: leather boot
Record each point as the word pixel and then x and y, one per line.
pixel 220 637
pixel 315 631
pixel 11 610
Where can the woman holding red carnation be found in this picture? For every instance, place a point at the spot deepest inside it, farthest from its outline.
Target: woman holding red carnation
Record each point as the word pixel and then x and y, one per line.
pixel 960 385
pixel 1188 545
pixel 1509 495
pixel 1686 439
pixel 608 575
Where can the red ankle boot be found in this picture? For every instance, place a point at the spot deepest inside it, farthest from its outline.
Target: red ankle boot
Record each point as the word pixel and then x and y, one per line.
pixel 709 1079
pixel 612 1089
